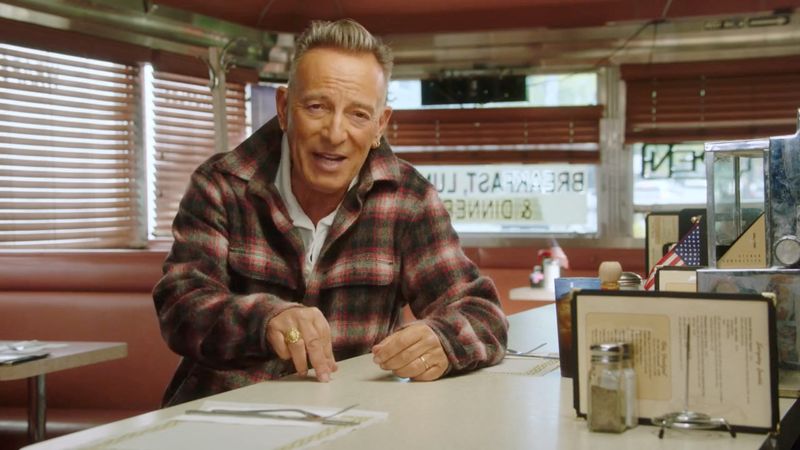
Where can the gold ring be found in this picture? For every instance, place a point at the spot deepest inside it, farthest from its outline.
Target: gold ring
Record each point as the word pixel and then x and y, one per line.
pixel 292 336
pixel 425 363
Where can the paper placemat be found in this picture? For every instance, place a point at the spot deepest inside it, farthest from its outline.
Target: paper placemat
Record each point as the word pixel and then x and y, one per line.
pixel 530 366
pixel 242 433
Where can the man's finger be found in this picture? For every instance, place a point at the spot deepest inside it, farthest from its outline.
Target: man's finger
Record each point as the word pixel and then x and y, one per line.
pixel 318 345
pixel 298 351
pixel 276 340
pixel 396 343
pixel 405 357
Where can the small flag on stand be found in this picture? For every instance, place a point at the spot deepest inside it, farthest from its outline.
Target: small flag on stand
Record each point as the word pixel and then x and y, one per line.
pixel 685 253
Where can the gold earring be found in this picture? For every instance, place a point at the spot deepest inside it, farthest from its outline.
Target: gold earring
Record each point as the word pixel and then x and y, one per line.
pixel 377 143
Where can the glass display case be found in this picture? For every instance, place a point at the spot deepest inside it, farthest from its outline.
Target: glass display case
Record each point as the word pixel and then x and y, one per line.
pixel 736 189
pixel 753 211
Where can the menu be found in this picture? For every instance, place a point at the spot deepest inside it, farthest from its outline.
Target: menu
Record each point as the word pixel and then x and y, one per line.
pixel 731 362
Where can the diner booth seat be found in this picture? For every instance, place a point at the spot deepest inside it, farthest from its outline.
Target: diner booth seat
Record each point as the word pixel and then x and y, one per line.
pixel 84 296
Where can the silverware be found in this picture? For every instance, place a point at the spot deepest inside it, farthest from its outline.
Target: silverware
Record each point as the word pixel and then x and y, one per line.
pixel 533 355
pixel 511 351
pixel 275 413
pixel 19 346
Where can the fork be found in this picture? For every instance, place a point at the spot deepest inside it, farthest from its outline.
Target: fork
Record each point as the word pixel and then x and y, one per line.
pixel 511 351
pixel 274 413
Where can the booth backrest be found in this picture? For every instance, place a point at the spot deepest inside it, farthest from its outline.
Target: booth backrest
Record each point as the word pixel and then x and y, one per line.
pixel 81 271
pixel 88 296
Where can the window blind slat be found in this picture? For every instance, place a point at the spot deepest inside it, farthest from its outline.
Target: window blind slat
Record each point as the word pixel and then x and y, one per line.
pixel 47 133
pixel 53 142
pixel 51 152
pixel 44 205
pixel 105 115
pixel 166 122
pixel 70 79
pixel 63 122
pixel 108 232
pixel 66 151
pixel 24 179
pixel 22 171
pixel 11 51
pixel 23 225
pixel 79 98
pixel 65 164
pixel 78 104
pixel 66 214
pixel 501 156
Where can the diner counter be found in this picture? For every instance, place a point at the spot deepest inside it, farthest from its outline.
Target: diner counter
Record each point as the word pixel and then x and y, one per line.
pixel 491 408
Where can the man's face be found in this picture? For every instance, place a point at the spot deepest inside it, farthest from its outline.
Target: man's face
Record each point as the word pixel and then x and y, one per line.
pixel 332 113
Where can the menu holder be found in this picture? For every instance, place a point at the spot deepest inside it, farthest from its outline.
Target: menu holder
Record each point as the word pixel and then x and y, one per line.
pixel 676 279
pixel 733 372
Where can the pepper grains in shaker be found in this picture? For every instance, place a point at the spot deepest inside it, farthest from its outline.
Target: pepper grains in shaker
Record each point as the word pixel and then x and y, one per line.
pixel 612 389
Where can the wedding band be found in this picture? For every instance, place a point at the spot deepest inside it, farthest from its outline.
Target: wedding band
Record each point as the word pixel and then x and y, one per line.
pixel 425 363
pixel 292 336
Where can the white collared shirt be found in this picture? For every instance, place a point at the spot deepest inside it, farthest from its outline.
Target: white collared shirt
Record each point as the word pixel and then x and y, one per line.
pixel 313 237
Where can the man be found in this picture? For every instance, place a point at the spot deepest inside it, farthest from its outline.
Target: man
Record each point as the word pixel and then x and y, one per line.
pixel 301 246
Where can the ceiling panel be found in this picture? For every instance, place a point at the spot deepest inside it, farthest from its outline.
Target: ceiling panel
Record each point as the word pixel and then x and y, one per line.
pixel 428 16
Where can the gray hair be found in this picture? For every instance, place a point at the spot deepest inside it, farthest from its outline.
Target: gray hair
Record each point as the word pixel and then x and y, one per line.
pixel 343 34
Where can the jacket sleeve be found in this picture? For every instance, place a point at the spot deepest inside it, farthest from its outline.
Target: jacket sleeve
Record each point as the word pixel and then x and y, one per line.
pixel 446 291
pixel 200 317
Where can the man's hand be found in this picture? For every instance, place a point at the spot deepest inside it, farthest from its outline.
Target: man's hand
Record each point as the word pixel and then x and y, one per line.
pixel 314 343
pixel 413 352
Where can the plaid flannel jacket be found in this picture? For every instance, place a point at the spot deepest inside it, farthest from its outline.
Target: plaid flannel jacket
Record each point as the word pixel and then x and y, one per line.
pixel 236 262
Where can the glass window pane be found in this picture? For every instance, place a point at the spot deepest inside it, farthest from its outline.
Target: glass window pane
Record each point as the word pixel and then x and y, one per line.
pixel 560 89
pixel 668 175
pixel 574 89
pixel 518 198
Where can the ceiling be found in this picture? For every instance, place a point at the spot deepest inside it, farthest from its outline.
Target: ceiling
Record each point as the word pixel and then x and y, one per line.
pixel 435 38
pixel 384 17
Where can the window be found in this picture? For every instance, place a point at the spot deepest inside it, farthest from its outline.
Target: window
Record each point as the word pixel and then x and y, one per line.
pixel 182 130
pixel 67 151
pixel 672 109
pixel 524 167
pixel 666 177
pixel 82 141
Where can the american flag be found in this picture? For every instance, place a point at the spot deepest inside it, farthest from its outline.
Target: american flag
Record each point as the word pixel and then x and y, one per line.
pixel 685 253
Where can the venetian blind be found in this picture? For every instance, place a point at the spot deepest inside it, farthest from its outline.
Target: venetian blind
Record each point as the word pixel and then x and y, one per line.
pixel 184 136
pixel 669 103
pixel 67 160
pixel 541 134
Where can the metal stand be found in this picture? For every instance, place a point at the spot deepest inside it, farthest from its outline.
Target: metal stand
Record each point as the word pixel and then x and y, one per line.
pixel 690 420
pixel 37 408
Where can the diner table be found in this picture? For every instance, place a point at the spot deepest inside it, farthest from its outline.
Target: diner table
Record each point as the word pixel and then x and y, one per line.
pixel 494 408
pixel 527 293
pixel 61 356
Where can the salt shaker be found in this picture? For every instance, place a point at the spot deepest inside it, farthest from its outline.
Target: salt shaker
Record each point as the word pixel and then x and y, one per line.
pixel 607 407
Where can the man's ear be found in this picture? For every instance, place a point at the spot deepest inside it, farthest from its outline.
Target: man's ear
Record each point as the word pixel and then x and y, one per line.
pixel 282 106
pixel 383 120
